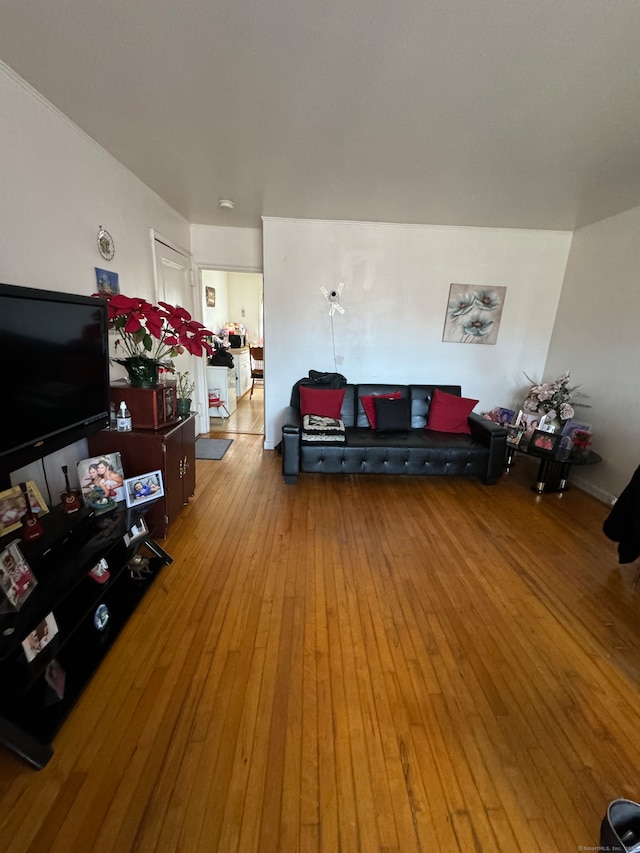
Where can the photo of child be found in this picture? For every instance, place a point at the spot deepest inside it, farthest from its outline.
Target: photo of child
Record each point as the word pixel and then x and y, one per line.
pixel 144 488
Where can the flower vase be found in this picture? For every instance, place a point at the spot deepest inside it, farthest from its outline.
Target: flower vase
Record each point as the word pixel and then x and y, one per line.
pixel 184 408
pixel 142 372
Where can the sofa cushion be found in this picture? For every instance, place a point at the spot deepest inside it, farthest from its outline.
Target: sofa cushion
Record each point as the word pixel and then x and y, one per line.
pixel 369 406
pixel 449 413
pixel 393 414
pixel 326 402
pixel 318 429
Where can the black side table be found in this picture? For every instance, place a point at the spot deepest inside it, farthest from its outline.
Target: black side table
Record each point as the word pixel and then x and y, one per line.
pixel 553 473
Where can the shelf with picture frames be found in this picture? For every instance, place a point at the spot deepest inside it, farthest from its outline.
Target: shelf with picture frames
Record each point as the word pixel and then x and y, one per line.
pixel 91 571
pixel 556 459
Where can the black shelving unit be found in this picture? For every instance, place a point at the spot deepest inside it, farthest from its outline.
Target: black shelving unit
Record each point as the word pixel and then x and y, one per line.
pixel 31 711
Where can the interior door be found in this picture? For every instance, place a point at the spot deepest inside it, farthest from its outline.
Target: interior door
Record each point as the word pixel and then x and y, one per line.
pixel 175 285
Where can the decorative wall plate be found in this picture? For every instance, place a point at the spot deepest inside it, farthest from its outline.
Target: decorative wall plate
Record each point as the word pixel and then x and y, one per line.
pixel 106 246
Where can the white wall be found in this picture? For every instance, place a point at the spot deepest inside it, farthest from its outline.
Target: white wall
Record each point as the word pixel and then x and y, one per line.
pixel 245 302
pixel 57 187
pixel 396 290
pixel 596 337
pixel 226 248
pixel 215 317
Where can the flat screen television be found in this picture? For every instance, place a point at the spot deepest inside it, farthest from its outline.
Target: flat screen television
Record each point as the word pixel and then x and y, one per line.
pixel 54 354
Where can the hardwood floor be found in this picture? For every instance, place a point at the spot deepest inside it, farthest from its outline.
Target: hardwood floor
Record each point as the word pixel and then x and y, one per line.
pixel 354 664
pixel 248 417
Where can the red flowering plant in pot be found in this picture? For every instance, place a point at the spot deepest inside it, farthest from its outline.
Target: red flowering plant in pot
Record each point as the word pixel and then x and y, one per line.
pixel 151 334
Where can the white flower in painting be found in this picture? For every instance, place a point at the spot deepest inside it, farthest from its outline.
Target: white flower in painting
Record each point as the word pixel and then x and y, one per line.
pixel 487 300
pixel 462 305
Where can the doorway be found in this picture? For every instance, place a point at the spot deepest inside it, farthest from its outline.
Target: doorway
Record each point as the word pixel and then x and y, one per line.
pixel 174 284
pixel 236 297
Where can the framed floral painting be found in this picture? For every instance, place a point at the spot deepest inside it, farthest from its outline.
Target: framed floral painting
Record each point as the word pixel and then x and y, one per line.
pixel 473 314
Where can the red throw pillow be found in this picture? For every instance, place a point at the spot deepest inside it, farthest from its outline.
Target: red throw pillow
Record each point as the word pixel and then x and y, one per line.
pixel 449 413
pixel 369 405
pixel 326 402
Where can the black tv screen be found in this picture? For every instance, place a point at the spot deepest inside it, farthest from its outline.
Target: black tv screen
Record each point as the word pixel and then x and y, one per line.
pixel 55 358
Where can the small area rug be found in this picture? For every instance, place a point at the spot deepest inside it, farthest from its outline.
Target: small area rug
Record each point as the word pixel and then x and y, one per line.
pixel 212 448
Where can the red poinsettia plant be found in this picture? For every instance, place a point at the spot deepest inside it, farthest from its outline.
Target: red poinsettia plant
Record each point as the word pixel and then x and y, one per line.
pixel 158 331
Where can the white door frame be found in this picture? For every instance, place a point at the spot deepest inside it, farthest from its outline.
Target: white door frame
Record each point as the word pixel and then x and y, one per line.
pixel 231 269
pixel 194 307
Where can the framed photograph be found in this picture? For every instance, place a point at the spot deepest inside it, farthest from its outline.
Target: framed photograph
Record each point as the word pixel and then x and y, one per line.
pixel 145 487
pixel 40 637
pixel 107 282
pixel 211 296
pixel 13 506
pixel 102 481
pixel 506 416
pixel 571 427
pixel 17 581
pixel 139 529
pixel 546 425
pixel 531 422
pixel 546 443
pixel 514 434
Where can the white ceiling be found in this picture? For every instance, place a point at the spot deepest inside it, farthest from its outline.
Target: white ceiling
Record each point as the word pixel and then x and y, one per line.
pixel 521 113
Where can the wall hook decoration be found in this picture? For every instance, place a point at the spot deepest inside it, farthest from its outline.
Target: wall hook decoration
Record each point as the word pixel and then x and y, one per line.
pixel 333 298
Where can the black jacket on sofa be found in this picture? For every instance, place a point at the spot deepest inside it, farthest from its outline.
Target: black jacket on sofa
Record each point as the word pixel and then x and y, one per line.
pixel 414 451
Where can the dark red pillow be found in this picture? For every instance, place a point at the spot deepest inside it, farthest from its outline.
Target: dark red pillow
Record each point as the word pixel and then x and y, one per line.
pixel 326 402
pixel 449 413
pixel 369 406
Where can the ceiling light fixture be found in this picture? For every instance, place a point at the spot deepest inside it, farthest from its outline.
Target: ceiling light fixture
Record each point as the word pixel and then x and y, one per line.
pixel 226 203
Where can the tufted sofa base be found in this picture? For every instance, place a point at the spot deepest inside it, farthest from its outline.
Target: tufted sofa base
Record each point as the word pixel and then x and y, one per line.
pixel 416 452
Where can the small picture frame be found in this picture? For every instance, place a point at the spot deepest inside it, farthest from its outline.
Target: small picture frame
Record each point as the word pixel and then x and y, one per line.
pixel 210 293
pixel 506 416
pixel 13 506
pixel 17 581
pixel 101 481
pixel 107 282
pixel 531 421
pixel 40 637
pixel 571 427
pixel 145 487
pixel 136 531
pixel 545 443
pixel 514 434
pixel 546 425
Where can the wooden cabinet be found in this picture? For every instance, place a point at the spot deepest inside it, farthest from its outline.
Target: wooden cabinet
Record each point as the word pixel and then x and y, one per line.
pixel 242 360
pixel 170 450
pixel 224 380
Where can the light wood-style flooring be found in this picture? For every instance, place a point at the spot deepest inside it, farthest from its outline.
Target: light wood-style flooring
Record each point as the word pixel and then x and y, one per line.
pixel 248 417
pixel 354 664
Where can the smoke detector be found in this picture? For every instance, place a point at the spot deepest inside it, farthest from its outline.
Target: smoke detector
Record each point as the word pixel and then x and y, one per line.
pixel 226 204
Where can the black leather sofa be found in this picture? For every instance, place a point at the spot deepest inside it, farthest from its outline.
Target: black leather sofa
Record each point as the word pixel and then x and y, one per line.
pixel 415 451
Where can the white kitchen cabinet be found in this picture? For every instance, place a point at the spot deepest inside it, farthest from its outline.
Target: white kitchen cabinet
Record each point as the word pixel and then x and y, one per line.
pixel 223 379
pixel 242 361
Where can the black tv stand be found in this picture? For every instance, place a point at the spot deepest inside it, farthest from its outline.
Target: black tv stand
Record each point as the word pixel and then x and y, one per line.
pixel 37 696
